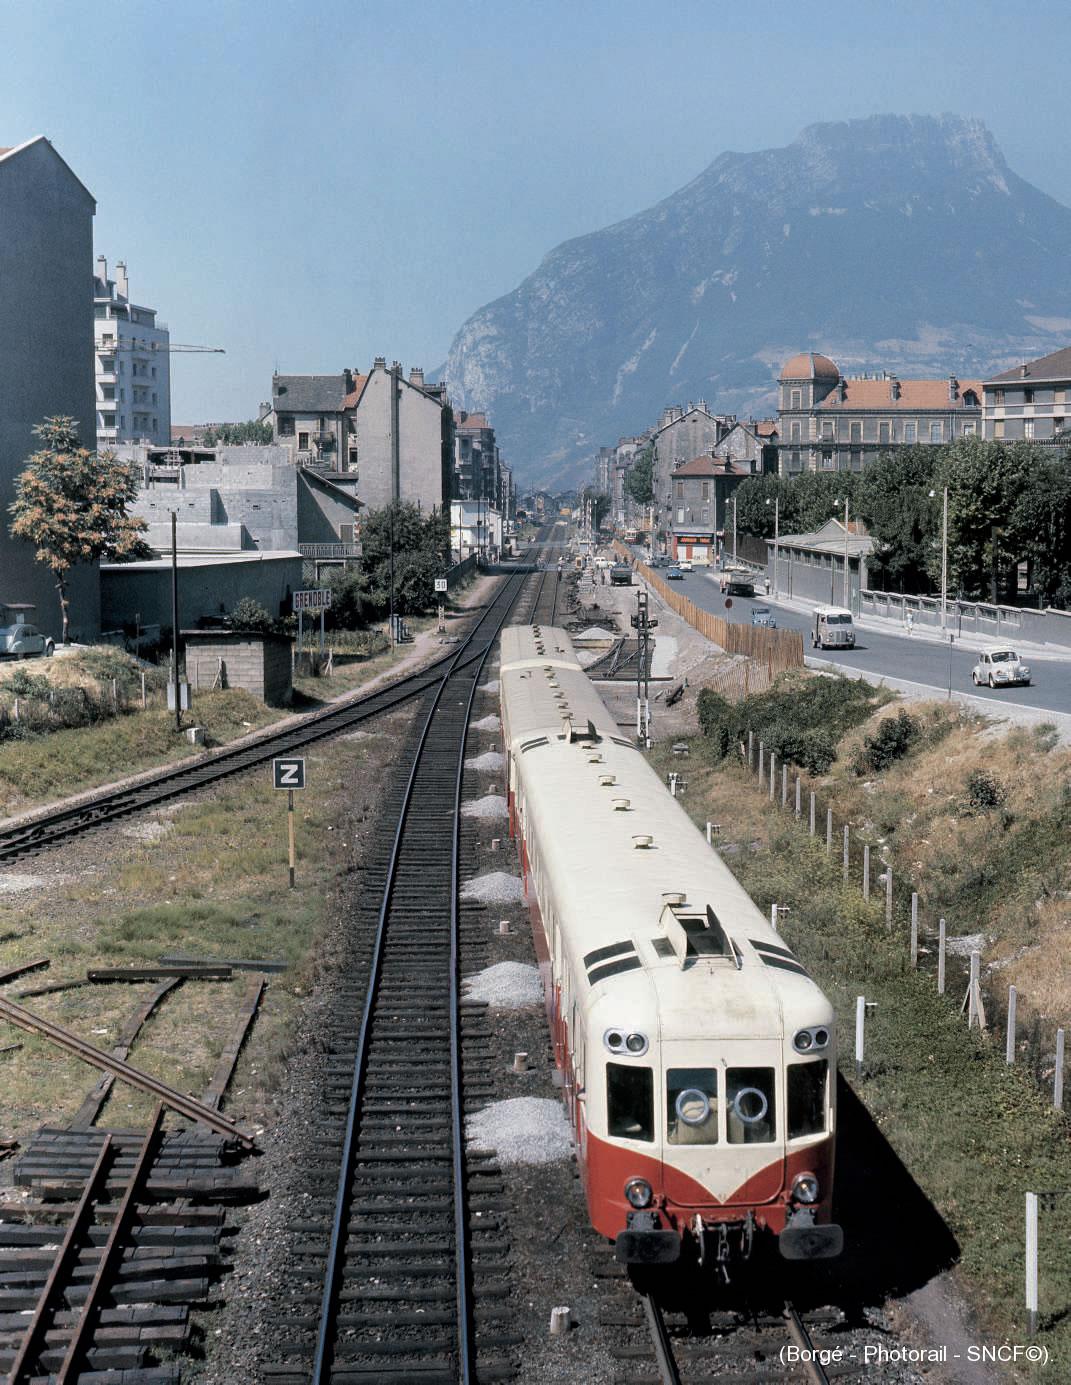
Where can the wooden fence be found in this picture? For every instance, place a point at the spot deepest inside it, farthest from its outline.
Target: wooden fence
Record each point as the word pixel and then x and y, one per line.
pixel 777 650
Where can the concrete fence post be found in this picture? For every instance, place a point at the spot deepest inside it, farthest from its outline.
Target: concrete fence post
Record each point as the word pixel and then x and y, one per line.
pixel 1032 1261
pixel 860 1033
pixel 773 775
pixel 844 861
pixel 974 991
pixel 760 763
pixel 798 798
pixel 1058 1075
pixel 144 698
pixel 914 929
pixel 751 750
pixel 866 872
pixel 888 898
pixel 784 786
pixel 829 831
pixel 941 932
pixel 811 816
pixel 1009 1038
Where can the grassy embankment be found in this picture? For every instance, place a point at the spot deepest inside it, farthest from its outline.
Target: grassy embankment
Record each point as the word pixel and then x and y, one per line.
pixel 207 878
pixel 977 823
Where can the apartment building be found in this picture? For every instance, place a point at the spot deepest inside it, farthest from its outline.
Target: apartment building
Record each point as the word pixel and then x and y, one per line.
pixel 830 422
pixel 133 364
pixel 1032 402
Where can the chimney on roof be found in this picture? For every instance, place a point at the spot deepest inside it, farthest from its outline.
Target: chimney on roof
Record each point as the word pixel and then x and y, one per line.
pixel 347 381
pixel 953 389
pixel 120 279
pixel 102 271
pixel 1023 371
pixel 416 376
pixel 842 389
pixel 380 363
pixel 894 388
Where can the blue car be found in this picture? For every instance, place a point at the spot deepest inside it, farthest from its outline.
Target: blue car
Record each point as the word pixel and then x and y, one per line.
pixel 674 574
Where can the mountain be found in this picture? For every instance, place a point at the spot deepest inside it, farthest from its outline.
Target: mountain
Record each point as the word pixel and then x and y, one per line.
pixel 897 242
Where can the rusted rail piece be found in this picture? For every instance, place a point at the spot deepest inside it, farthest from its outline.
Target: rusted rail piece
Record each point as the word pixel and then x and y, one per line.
pixel 34 1336
pixel 90 1109
pixel 186 1105
pixel 83 1330
pixel 229 1057
pixel 23 968
pixel 235 963
pixel 194 971
pixel 53 988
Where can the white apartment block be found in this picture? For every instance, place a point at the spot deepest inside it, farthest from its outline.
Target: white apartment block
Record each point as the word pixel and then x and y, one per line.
pixel 133 366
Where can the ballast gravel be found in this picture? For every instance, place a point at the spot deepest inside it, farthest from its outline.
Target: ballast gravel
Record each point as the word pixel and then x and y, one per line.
pixel 524 1130
pixel 505 986
pixel 491 687
pixel 494 888
pixel 492 805
pixel 488 723
pixel 13 883
pixel 489 760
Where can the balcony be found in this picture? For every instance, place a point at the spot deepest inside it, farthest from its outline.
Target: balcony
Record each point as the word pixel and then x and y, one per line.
pixel 326 552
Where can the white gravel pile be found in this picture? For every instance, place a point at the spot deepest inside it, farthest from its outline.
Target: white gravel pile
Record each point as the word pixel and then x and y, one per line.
pixel 491 687
pixel 489 760
pixel 492 805
pixel 526 1130
pixel 505 986
pixel 966 944
pixel 147 831
pixel 12 883
pixel 488 723
pixel 494 888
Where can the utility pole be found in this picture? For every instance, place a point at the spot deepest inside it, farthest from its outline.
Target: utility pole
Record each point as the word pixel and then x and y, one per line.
pixel 734 528
pixel 174 619
pixel 847 585
pixel 776 537
pixel 643 625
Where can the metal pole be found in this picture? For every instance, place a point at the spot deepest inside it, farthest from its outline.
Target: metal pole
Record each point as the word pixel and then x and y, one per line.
pixel 734 528
pixel 860 1027
pixel 174 619
pixel 844 862
pixel 941 958
pixel 847 589
pixel 944 561
pixel 392 570
pixel 776 539
pixel 1032 1261
pixel 1058 1076
pixel 1009 1040
pixel 866 872
pixel 914 929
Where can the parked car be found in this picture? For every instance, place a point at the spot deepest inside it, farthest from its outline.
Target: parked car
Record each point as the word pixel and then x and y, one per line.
pixel 999 668
pixel 761 615
pixel 22 641
pixel 659 560
pixel 674 574
pixel 685 565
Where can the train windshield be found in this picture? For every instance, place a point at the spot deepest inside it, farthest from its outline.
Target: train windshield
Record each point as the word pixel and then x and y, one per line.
pixel 751 1116
pixel 629 1102
pixel 692 1106
pixel 807 1098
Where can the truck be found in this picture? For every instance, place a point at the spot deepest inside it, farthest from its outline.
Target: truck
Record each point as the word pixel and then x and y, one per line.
pixel 833 628
pixel 738 581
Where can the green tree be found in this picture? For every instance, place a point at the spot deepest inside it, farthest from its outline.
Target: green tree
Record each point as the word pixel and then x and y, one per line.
pixel 892 498
pixel 1039 529
pixel 421 546
pixel 235 434
pixel 985 481
pixel 71 504
pixel 639 479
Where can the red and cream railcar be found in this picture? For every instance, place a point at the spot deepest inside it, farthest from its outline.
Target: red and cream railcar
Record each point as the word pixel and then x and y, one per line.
pixel 697 1054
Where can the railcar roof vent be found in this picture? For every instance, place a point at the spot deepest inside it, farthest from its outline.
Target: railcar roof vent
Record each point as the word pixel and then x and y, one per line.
pixel 607 779
pixel 642 841
pixel 620 805
pixel 693 935
pixel 594 758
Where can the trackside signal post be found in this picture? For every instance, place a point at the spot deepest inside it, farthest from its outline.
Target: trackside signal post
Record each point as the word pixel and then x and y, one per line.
pixel 289 774
pixel 643 625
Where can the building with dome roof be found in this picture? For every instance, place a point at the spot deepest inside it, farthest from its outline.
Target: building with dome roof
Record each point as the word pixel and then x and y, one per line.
pixel 832 422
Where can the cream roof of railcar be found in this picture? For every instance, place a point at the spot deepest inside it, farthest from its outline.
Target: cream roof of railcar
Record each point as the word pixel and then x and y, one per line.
pixel 609 892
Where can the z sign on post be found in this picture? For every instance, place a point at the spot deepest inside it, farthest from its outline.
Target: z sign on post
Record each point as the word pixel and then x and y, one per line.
pixel 288 774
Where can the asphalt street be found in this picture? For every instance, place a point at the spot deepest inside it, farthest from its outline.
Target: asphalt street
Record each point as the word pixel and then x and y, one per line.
pixel 894 656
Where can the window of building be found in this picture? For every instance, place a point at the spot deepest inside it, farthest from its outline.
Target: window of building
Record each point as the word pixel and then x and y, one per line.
pixel 1028 428
pixel 969 428
pixel 706 514
pixel 937 432
pixel 827 429
pixel 970 399
pixel 998 397
pixel 1057 423
pixel 1059 396
pixel 855 431
pixel 910 431
pixel 806 1084
pixel 828 464
pixel 286 426
pixel 109 420
pixel 998 428
pixel 751 1116
pixel 630 1102
pixel 1028 396
pixel 155 425
pixel 885 431
pixel 795 399
pixel 107 391
pixel 855 459
pixel 680 490
pixel 706 490
pixel 794 432
pixel 680 515
pixel 303 442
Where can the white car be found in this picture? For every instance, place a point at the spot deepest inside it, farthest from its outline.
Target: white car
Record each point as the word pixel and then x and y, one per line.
pixel 685 565
pixel 999 668
pixel 20 641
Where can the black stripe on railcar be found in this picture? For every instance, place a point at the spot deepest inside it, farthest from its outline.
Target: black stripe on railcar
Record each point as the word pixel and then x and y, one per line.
pixel 611 950
pixel 632 963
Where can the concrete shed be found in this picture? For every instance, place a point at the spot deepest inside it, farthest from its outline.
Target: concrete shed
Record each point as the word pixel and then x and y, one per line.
pixel 259 663
pixel 208 587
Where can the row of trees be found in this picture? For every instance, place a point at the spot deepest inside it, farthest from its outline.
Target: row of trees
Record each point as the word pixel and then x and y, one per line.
pixel 420 543
pixel 1008 503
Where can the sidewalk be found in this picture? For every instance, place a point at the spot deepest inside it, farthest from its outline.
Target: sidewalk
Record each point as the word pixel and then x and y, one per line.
pixel 920 634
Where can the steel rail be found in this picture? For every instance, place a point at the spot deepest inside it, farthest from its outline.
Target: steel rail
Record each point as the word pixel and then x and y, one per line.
pixel 325 1334
pixel 663 1347
pixel 814 1369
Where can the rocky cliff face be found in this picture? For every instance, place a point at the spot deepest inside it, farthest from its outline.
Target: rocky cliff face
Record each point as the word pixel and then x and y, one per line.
pixel 898 242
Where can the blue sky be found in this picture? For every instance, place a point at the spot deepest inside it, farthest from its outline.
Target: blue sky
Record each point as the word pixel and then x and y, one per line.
pixel 313 185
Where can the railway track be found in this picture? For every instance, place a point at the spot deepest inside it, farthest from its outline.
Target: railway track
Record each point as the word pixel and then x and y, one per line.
pixel 401 1260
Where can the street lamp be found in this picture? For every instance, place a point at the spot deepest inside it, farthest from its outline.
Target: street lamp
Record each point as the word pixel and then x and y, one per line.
pixel 776 536
pixel 734 528
pixel 944 553
pixel 847 589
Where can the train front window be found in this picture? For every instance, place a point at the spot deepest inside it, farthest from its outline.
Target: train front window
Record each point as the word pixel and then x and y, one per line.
pixel 751 1116
pixel 692 1106
pixel 807 1098
pixel 629 1102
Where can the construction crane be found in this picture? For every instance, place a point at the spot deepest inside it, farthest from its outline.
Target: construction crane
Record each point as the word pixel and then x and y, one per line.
pixel 180 346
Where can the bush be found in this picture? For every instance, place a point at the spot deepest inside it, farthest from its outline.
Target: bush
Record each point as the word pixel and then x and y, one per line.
pixel 890 742
pixel 249 614
pixel 22 683
pixel 715 721
pixel 984 791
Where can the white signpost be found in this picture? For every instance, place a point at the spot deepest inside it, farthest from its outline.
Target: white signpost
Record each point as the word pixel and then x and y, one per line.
pixel 315 599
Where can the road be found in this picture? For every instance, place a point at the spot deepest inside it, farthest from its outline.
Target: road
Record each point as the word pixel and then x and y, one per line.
pixel 895 656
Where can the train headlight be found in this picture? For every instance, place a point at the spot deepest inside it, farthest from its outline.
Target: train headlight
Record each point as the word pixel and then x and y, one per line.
pixel 805 1188
pixel 821 1038
pixel 693 1106
pixel 638 1193
pixel 803 1041
pixel 614 1040
pixel 636 1043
